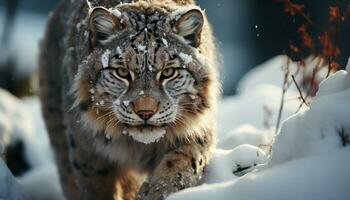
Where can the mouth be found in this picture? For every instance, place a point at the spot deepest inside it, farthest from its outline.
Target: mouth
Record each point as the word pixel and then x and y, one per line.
pixel 145 133
pixel 145 126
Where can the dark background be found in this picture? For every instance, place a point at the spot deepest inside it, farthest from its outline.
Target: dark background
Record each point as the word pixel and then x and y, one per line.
pixel 248 32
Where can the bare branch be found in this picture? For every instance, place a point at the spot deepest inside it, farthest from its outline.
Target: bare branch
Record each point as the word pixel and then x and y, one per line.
pixel 300 93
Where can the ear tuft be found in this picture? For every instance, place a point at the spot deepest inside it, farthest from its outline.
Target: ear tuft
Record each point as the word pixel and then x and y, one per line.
pixel 189 25
pixel 102 24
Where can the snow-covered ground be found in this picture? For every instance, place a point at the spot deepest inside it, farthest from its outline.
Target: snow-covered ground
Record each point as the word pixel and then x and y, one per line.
pixel 310 157
pixel 21 120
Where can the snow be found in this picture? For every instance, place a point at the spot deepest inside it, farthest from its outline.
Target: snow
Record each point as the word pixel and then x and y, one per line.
pixel 33 183
pixel 141 47
pixel 23 121
pixel 186 58
pixel 225 162
pixel 165 42
pixel 317 130
pixel 245 134
pixel 310 178
pixel 310 153
pixel 247 107
pixel 117 102
pixel 115 12
pixel 340 81
pixel 126 103
pixel 146 136
pixel 150 68
pixel 105 58
pixel 119 50
pixel 9 187
pixel 90 6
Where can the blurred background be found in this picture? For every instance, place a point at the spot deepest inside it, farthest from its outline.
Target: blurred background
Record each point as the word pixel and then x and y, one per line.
pixel 248 32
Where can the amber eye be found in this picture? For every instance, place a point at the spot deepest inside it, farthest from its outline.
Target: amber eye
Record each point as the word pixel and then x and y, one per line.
pixel 122 73
pixel 167 73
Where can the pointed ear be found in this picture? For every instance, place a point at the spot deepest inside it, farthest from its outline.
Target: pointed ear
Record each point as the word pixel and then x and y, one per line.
pixel 189 25
pixel 102 24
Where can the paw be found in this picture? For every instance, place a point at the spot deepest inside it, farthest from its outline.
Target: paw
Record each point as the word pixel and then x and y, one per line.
pixel 160 188
pixel 156 191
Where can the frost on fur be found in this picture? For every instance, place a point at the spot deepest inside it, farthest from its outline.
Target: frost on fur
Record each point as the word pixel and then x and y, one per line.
pixel 186 58
pixel 105 58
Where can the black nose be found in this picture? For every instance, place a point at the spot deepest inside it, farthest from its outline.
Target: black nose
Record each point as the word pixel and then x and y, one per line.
pixel 145 114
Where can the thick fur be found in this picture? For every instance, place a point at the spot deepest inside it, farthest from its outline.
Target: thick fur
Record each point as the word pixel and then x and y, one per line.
pixel 89 110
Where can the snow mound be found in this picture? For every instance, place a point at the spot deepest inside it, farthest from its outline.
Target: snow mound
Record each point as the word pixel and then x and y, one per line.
pixel 228 164
pixel 248 107
pixel 33 183
pixel 21 120
pixel 321 129
pixel 9 187
pixel 309 178
pixel 245 134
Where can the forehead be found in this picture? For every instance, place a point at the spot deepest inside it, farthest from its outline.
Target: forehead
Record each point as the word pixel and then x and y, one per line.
pixel 151 18
pixel 147 45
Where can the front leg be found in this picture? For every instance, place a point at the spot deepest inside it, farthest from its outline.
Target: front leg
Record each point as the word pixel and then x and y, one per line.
pixel 96 178
pixel 179 169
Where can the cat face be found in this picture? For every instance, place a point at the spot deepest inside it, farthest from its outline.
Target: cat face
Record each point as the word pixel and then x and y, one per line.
pixel 145 70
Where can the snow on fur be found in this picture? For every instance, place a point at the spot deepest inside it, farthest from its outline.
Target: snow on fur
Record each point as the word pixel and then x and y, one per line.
pixel 141 47
pixel 105 58
pixel 186 58
pixel 165 42
pixel 115 12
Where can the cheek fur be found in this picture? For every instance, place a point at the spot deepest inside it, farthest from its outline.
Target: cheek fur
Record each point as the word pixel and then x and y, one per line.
pixel 111 84
pixel 184 83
